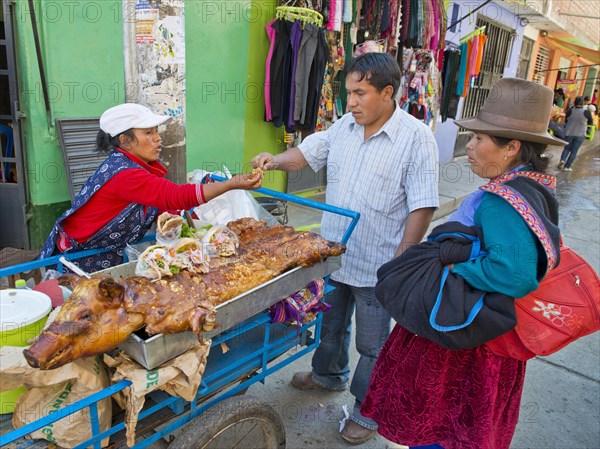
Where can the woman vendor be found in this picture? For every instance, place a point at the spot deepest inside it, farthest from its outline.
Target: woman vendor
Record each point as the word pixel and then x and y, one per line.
pixel 122 198
pixel 424 394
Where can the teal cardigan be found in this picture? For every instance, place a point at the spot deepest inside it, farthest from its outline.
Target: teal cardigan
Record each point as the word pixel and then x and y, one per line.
pixel 511 265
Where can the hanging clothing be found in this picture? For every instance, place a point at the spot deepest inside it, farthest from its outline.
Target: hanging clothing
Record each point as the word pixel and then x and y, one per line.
pixel 347 16
pixel 315 83
pixel 462 71
pixel 335 15
pixel 478 61
pixel 450 75
pixel 280 72
pixel 271 34
pixel 295 40
pixel 406 16
pixel 469 69
pixel 306 56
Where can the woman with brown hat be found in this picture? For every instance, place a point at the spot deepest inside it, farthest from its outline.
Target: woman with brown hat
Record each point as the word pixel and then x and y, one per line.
pixel 424 394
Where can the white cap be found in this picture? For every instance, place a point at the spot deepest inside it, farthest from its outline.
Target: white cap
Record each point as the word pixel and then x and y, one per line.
pixel 129 115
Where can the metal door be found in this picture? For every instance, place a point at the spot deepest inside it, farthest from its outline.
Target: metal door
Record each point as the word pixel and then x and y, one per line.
pixel 13 225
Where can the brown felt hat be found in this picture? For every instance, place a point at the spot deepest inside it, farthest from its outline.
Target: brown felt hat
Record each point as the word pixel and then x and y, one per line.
pixel 515 109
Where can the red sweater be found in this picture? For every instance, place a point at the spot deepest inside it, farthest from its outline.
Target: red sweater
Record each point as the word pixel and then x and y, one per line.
pixel 133 185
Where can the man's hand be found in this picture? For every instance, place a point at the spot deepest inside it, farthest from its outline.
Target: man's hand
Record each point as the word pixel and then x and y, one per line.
pixel 263 161
pixel 290 160
pixel 416 226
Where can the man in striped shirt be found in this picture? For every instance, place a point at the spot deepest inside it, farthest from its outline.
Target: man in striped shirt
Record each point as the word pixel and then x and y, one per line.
pixel 383 163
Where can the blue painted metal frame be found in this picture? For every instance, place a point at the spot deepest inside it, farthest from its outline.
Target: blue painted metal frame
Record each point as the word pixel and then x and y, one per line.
pixel 49 261
pixel 277 340
pixel 310 203
pixel 257 357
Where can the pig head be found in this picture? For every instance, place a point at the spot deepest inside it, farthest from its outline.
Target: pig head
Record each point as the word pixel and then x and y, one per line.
pixel 92 321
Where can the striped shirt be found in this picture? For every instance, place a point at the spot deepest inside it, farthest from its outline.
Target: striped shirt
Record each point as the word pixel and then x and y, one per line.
pixel 392 173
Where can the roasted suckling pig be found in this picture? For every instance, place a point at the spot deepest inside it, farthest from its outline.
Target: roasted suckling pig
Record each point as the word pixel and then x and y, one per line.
pixel 102 312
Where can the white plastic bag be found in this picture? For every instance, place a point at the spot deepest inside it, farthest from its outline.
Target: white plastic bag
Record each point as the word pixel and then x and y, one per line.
pixel 168 228
pixel 229 206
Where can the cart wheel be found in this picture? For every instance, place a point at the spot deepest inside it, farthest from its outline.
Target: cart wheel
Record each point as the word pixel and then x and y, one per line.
pixel 238 422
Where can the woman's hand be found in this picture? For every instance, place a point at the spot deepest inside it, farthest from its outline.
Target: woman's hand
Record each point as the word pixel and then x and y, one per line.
pixel 264 161
pixel 251 181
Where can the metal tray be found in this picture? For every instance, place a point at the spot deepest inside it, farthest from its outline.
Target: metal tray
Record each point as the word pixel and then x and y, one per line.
pixel 159 348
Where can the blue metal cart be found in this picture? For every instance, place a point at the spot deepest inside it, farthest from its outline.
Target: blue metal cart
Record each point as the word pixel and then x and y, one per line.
pixel 220 416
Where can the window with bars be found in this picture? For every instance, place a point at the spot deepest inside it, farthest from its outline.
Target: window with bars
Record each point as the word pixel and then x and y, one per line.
pixel 542 62
pixel 494 60
pixel 525 57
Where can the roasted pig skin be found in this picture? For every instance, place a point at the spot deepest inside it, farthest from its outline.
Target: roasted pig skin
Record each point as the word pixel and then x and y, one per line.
pixel 101 312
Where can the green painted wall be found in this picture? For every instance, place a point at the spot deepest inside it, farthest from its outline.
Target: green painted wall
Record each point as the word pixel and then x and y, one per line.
pixel 226 49
pixel 83 57
pixel 261 136
pixel 216 65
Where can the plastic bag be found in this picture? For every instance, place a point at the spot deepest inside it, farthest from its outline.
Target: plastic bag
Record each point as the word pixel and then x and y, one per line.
pixel 229 206
pixel 220 241
pixel 301 307
pixel 168 228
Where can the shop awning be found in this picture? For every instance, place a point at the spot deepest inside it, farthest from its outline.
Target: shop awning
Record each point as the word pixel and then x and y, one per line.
pixel 574 45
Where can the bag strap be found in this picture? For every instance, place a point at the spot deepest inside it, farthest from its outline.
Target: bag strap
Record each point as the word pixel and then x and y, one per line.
pixel 476 253
pixel 436 307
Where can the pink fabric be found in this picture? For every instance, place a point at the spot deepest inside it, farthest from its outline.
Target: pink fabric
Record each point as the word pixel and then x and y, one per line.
pixel 335 15
pixel 473 56
pixel 331 15
pixel 421 393
pixel 436 26
pixel 271 34
pixel 431 31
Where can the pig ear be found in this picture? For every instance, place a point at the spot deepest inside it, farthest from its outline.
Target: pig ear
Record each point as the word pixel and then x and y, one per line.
pixel 69 280
pixel 110 290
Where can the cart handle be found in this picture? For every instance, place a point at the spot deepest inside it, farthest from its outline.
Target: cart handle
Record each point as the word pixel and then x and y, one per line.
pixel 55 260
pixel 309 203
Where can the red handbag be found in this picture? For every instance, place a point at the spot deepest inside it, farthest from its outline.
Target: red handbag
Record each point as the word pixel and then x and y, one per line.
pixel 565 307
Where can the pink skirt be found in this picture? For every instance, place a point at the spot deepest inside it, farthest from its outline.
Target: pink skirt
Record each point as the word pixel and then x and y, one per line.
pixel 421 393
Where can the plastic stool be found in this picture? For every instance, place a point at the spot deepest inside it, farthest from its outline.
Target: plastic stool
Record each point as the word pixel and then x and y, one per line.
pixel 591 130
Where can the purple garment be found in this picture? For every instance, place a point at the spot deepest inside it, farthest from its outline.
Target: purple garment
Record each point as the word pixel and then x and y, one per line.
pixel 295 43
pixel 465 213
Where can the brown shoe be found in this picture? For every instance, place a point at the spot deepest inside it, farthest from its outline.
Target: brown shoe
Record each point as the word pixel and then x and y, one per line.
pixel 354 433
pixel 303 380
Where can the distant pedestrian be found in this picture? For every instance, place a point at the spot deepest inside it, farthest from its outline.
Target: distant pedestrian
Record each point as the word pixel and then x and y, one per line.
pixel 556 125
pixel 589 105
pixel 595 96
pixel 559 98
pixel 578 119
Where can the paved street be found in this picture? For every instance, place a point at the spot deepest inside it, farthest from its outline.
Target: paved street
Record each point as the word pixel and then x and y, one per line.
pixel 561 401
